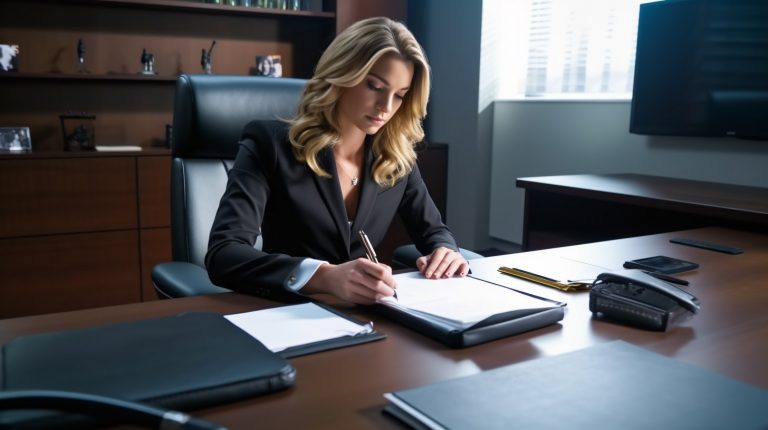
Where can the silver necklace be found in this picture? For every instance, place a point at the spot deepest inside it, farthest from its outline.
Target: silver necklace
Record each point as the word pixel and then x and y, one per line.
pixel 354 179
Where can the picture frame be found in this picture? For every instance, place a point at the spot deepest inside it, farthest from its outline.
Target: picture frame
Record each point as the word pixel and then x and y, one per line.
pixel 268 65
pixel 15 139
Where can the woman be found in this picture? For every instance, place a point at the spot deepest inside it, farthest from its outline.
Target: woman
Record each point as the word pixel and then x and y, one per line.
pixel 346 163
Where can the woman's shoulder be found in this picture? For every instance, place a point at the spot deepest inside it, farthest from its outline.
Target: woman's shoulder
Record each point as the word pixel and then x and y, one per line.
pixel 259 130
pixel 262 136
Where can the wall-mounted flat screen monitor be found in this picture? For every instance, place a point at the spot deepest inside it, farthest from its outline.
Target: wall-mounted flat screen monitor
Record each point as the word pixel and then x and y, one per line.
pixel 701 69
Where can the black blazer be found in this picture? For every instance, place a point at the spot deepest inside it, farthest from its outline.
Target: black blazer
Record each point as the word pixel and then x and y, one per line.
pixel 303 215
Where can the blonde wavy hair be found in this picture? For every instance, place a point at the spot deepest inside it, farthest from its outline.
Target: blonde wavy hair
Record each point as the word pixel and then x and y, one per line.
pixel 344 64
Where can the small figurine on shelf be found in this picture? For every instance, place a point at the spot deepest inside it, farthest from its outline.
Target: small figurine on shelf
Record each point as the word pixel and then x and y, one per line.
pixel 206 60
pixel 148 60
pixel 81 56
pixel 9 58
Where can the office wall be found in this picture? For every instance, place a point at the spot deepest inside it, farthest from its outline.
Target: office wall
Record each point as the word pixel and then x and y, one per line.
pixel 539 138
pixel 449 31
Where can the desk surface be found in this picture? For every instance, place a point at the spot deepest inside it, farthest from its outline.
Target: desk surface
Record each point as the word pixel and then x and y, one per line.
pixel 343 388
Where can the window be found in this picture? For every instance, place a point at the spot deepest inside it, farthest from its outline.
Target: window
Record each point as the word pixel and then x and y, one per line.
pixel 561 48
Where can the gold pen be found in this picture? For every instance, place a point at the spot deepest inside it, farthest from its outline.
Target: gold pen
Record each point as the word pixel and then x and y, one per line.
pixel 543 280
pixel 369 251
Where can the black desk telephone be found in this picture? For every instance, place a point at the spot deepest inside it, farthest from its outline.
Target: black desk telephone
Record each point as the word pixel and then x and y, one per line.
pixel 636 298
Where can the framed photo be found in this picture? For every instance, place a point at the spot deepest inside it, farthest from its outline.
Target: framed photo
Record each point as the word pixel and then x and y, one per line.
pixel 269 65
pixel 15 139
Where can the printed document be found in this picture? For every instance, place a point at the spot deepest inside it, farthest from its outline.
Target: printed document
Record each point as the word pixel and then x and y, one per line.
pixel 458 302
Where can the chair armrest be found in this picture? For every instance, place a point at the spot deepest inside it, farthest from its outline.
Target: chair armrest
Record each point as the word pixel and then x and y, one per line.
pixel 180 279
pixel 405 256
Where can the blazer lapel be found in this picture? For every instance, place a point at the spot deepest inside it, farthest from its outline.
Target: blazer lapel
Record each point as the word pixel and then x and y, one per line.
pixel 331 194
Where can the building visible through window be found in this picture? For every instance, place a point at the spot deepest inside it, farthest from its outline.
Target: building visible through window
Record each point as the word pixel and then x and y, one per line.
pixel 562 48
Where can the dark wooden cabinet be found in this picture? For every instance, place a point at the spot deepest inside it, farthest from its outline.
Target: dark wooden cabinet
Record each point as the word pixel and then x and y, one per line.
pixel 81 230
pixel 155 247
pixel 152 181
pixel 43 195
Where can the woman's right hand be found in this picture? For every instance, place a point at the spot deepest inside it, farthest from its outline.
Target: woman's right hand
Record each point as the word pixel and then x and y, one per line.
pixel 358 281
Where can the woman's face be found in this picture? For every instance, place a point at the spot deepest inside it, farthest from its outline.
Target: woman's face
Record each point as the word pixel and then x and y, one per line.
pixel 370 104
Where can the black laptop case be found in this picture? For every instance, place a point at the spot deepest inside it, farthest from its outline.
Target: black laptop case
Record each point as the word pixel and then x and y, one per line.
pixel 187 361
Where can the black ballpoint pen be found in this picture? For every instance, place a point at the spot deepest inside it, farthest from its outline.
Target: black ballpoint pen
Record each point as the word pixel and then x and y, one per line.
pixel 369 251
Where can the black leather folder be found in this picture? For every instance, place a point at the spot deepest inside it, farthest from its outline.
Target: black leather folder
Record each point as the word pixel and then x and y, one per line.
pixel 614 385
pixel 187 361
pixel 494 327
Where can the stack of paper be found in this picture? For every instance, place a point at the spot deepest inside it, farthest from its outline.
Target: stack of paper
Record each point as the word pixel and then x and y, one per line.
pixel 458 302
pixel 291 326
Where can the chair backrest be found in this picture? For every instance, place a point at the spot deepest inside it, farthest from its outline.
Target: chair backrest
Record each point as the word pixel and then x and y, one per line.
pixel 209 114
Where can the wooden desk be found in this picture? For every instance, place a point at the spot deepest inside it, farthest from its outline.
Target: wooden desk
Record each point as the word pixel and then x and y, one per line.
pixel 573 209
pixel 343 388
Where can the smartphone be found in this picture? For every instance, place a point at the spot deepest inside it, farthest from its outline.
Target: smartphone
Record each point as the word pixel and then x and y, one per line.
pixel 661 264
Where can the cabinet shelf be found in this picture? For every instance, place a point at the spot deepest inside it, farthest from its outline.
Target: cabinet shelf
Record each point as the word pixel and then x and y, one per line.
pixel 57 154
pixel 178 5
pixel 88 77
pixel 131 108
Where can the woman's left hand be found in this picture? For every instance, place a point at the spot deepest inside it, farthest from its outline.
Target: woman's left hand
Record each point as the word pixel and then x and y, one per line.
pixel 442 263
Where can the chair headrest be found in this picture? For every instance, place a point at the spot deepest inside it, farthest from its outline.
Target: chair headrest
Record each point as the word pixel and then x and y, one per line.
pixel 210 111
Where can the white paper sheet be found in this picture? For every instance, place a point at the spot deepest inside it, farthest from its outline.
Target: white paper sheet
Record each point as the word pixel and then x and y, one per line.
pixel 287 326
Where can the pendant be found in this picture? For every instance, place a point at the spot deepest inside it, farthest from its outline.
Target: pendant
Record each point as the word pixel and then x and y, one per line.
pixel 355 181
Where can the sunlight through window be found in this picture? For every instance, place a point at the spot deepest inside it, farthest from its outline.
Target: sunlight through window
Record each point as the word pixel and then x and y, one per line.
pixel 561 48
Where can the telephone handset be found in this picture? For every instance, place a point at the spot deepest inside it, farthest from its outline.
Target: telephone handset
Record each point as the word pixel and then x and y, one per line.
pixel 636 298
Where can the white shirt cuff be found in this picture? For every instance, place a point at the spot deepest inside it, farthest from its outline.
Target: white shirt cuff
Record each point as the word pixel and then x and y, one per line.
pixel 302 273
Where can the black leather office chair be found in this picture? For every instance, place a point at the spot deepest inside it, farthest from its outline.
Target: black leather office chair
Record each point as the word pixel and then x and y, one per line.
pixel 209 114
